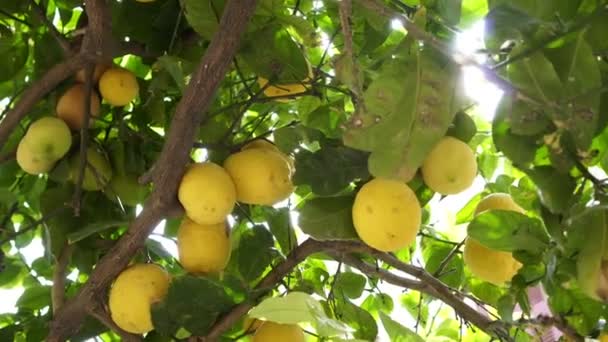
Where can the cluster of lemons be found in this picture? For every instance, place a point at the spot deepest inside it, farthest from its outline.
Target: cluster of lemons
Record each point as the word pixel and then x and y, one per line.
pixel 258 174
pixel 387 214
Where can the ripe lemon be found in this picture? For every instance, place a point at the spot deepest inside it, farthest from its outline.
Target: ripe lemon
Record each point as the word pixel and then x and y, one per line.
pixel 281 90
pixel 70 106
pixel 267 145
pixel 203 248
pixel 450 167
pixel 118 86
pixel 207 193
pixel 133 293
pixel 386 214
pixel 99 70
pixel 274 332
pixel 30 163
pixel 261 176
pixel 97 173
pixel 496 267
pixel 48 138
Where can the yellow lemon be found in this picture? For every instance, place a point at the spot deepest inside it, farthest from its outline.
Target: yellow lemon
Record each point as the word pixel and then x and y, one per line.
pixel 48 138
pixel 70 107
pixel 261 176
pixel 500 201
pixel 30 163
pixel 386 214
pixel 207 193
pixel 97 172
pixel 132 294
pixel 203 248
pixel 496 267
pixel 251 324
pixel 281 90
pixel 274 332
pixel 267 145
pixel 450 167
pixel 603 337
pixel 118 86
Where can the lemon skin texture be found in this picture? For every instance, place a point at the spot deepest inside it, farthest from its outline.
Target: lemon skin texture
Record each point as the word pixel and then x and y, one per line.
pixel 450 167
pixel 267 145
pixel 496 267
pixel 48 138
pixel 132 294
pixel 29 163
pixel 207 193
pixel 261 176
pixel 203 249
pixel 274 332
pixel 118 86
pixel 99 70
pixel 70 107
pixel 96 175
pixel 386 214
pixel 500 201
pixel 281 90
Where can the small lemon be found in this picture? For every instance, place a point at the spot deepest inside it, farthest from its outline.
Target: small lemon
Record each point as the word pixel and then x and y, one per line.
pixel 386 214
pixel 203 248
pixel 133 293
pixel 118 86
pixel 207 193
pixel 496 267
pixel 450 167
pixel 261 176
pixel 70 106
pixel 274 332
pixel 30 163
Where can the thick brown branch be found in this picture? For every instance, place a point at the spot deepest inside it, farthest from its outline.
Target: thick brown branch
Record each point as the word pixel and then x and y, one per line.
pixel 59 274
pixel 170 166
pixel 99 312
pixel 61 40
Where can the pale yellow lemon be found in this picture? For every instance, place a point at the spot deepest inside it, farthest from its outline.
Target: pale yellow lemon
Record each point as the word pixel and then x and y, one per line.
pixel 70 106
pixel 118 86
pixel 499 201
pixel 386 214
pixel 261 176
pixel 133 293
pixel 274 332
pixel 48 138
pixel 450 167
pixel 30 163
pixel 97 171
pixel 207 193
pixel 203 248
pixel 267 145
pixel 496 267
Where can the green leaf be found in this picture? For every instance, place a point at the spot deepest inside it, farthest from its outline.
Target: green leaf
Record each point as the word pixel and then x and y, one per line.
pixel 467 212
pixel 35 298
pixel 350 284
pixel 519 149
pixel 509 231
pixel 397 332
pixel 203 15
pixel 279 223
pixel 536 77
pixel 453 273
pixel 192 302
pixel 341 166
pixel 375 303
pixel 472 11
pixel 462 127
pixel 294 307
pixel 555 189
pixel 12 272
pixel 328 218
pixel 254 253
pixel 13 53
pixel 94 227
pixel 361 320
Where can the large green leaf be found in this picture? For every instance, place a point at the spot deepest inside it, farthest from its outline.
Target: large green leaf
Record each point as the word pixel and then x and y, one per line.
pixel 203 15
pixel 350 284
pixel 341 166
pixel 509 231
pixel 13 53
pixel 397 332
pixel 536 77
pixel 434 255
pixel 555 189
pixel 254 252
pixel 519 149
pixel 35 298
pixel 328 218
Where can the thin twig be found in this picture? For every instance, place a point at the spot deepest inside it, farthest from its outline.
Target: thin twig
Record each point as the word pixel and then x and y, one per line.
pixel 10 16
pixel 61 40
pixel 447 259
pixel 33 225
pixel 84 136
pixel 59 273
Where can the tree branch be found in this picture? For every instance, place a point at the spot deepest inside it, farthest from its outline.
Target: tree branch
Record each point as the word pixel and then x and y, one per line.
pixel 99 312
pixel 61 40
pixel 169 167
pixel 59 273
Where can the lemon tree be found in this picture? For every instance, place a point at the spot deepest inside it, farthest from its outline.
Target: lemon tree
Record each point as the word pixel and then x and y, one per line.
pixel 299 170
